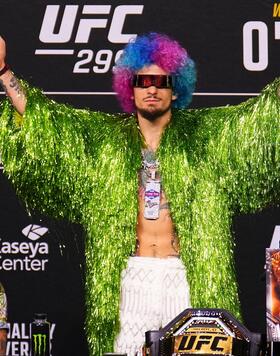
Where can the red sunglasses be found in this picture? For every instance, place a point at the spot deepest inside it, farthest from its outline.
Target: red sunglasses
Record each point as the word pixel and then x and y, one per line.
pixel 148 80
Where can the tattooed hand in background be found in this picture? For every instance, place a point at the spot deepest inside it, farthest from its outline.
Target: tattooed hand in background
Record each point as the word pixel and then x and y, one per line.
pixel 2 53
pixel 10 83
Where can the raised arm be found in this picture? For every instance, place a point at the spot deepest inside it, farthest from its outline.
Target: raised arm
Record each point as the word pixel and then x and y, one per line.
pixel 10 83
pixel 50 152
pixel 245 151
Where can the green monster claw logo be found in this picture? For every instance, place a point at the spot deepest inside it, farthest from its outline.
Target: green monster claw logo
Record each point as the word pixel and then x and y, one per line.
pixel 40 344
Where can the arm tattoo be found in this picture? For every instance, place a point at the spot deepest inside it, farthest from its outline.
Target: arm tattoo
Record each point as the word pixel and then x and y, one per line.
pixel 14 84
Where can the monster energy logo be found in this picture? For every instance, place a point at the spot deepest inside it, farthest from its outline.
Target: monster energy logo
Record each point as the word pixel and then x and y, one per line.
pixel 40 344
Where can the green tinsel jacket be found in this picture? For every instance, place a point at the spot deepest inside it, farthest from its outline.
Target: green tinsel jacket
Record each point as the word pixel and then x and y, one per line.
pixel 83 166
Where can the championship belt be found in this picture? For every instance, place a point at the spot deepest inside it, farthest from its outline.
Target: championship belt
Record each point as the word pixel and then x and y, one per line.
pixel 203 332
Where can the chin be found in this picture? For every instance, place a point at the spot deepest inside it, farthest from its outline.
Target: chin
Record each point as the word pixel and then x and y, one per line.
pixel 152 113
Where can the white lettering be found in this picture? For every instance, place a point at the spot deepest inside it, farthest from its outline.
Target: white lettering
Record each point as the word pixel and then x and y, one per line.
pixel 56 30
pixel 24 348
pixel 87 55
pixel 34 249
pixel 47 34
pixel 277 29
pixel 14 247
pixel 115 33
pixel 103 58
pixel 18 348
pixel 24 335
pixel 52 330
pixel 248 61
pixel 25 264
pixel 6 247
pixel 86 25
pixel 18 331
pixel 118 54
pixel 43 248
pixel 7 265
pixel 13 348
pixel 102 61
pixel 25 248
pixel 275 241
pixel 18 264
pixel 15 332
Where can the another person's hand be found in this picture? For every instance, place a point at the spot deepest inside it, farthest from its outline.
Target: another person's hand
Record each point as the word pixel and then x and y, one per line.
pixel 3 341
pixel 9 82
pixel 2 52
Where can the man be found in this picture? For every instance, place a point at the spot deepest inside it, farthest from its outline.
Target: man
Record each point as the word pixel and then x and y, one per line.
pixel 192 170
pixel 3 321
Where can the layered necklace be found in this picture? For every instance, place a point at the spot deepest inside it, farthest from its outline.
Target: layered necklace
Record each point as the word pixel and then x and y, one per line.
pixel 150 180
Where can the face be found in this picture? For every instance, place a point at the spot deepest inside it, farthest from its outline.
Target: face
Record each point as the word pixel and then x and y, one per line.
pixel 152 102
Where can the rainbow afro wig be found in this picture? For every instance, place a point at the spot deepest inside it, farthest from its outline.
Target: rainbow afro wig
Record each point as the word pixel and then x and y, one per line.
pixel 159 49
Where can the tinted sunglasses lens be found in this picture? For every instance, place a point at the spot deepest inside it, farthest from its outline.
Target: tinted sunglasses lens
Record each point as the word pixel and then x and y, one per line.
pixel 145 81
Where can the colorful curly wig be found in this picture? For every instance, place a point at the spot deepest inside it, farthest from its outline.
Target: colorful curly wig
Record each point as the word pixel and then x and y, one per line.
pixel 159 49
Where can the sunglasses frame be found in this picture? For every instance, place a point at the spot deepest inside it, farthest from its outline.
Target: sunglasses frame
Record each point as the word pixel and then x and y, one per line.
pixel 160 81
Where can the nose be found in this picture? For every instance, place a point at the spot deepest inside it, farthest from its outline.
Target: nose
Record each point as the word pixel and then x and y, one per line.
pixel 152 89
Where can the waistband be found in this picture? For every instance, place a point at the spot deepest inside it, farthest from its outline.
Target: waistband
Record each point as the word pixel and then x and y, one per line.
pixel 170 262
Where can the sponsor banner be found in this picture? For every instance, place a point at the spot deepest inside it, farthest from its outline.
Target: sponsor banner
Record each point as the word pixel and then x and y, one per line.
pixel 41 270
pixel 28 255
pixel 18 343
pixel 71 47
pixel 77 25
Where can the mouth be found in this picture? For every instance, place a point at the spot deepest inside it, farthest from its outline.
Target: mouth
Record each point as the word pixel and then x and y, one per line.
pixel 151 100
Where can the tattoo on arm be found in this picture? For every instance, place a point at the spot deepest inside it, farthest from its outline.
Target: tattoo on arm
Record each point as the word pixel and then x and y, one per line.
pixel 14 84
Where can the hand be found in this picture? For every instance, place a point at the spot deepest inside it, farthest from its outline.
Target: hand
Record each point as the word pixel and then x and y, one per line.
pixel 3 341
pixel 2 52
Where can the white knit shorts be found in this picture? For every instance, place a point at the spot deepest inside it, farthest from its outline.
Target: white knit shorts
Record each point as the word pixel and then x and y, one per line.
pixel 153 292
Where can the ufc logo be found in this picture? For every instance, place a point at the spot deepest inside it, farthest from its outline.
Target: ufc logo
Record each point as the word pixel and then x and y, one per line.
pixel 86 25
pixel 207 343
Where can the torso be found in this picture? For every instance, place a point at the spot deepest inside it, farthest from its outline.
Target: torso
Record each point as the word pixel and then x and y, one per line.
pixel 155 238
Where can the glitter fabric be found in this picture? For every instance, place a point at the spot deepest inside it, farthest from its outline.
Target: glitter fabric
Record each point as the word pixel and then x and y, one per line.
pixel 83 166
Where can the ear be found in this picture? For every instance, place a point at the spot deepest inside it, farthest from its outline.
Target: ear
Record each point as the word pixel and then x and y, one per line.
pixel 132 97
pixel 174 96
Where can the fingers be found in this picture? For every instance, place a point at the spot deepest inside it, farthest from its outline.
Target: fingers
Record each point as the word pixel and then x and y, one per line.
pixel 2 51
pixel 2 42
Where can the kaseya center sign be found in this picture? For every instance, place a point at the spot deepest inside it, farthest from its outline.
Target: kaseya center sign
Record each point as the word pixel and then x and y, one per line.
pixel 29 255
